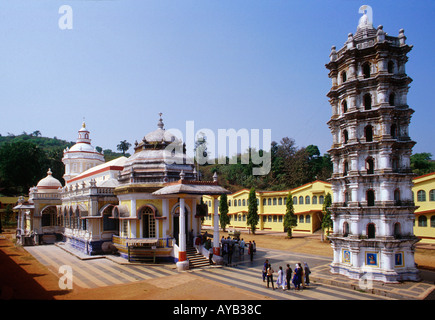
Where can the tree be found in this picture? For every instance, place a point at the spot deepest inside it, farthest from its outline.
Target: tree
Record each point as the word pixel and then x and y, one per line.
pixel 253 217
pixel 224 220
pixel 326 220
pixel 290 220
pixel 123 146
pixel 21 165
pixel 421 163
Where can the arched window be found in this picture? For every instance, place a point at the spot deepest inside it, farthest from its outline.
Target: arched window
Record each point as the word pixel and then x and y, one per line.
pixel 432 195
pixel 269 201
pixel 301 200
pixel 344 106
pixel 421 195
pixel 370 198
pixel 280 201
pixel 235 203
pixel 243 202
pixel 149 222
pixel 345 229
pixel 397 230
pixel 393 131
pixel 274 201
pixel 321 199
pixel 397 197
pixel 345 136
pixel 314 199
pixel 307 200
pixel 307 218
pixel 346 198
pixel 301 218
pixel 391 99
pixel 366 70
pixel 239 203
pixel 295 200
pixel 390 66
pixel 422 221
pixel 371 231
pixel 368 133
pixel 345 168
pixel 367 99
pixel 343 76
pixel 370 166
pixel 264 202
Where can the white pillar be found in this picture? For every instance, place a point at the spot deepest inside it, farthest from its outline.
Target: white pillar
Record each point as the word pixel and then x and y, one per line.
pixel 216 227
pixel 182 227
pixel 183 263
pixel 165 213
pixel 217 258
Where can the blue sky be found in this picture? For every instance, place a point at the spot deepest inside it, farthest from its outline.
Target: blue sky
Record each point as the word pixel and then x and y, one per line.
pixel 254 64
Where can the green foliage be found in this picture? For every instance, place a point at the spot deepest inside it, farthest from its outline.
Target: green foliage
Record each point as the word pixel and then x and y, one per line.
pixel 290 168
pixel 253 217
pixel 422 163
pixel 123 146
pixel 110 155
pixel 327 223
pixel 290 220
pixel 22 165
pixel 224 219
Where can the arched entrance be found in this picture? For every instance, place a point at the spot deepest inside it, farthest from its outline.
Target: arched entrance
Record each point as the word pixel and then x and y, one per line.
pixel 148 222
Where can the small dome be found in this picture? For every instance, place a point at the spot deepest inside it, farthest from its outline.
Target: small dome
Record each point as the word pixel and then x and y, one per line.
pixel 82 147
pixel 48 184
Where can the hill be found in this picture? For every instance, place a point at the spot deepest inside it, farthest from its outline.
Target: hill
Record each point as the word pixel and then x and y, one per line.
pixel 26 158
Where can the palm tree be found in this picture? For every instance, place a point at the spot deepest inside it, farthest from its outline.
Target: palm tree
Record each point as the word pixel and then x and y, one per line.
pixel 123 146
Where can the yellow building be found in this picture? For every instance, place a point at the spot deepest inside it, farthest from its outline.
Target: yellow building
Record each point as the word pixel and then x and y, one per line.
pixel 307 202
pixel 424 198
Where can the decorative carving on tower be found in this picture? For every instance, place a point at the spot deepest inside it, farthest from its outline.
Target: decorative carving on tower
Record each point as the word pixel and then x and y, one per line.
pixel 373 209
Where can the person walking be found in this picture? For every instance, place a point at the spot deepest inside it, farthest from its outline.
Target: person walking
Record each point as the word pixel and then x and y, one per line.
pixel 307 272
pixel 270 272
pixel 297 277
pixel 251 251
pixel 265 266
pixel 280 282
pixel 302 275
pixel 242 247
pixel 288 276
pixel 230 253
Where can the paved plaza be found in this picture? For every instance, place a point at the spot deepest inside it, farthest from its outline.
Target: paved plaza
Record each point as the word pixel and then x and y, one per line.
pixel 241 273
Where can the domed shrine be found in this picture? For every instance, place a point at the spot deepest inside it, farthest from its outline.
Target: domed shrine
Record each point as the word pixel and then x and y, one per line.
pixel 81 156
pixel 143 207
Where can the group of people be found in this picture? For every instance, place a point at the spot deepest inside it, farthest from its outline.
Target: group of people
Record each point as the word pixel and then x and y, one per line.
pixel 230 246
pixel 300 276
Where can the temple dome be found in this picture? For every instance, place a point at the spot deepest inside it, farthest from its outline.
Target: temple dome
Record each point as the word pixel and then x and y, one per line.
pixel 154 162
pixel 49 184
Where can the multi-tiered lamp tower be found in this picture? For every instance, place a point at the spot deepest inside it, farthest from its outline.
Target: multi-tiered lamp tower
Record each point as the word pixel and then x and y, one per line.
pixel 372 209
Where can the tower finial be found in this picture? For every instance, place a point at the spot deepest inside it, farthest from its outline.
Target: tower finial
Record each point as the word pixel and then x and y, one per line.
pixel 160 123
pixel 367 19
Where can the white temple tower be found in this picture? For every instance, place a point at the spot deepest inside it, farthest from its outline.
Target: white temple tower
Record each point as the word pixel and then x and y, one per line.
pixel 81 156
pixel 372 209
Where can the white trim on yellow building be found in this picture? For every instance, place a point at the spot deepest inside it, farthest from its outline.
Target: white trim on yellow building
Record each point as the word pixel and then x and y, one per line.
pixel 271 207
pixel 424 198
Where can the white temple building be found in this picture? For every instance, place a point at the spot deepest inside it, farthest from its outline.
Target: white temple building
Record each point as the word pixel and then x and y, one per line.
pixel 140 207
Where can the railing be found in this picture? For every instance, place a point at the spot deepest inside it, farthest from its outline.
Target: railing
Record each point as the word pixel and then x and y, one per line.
pixel 161 242
pixel 161 248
